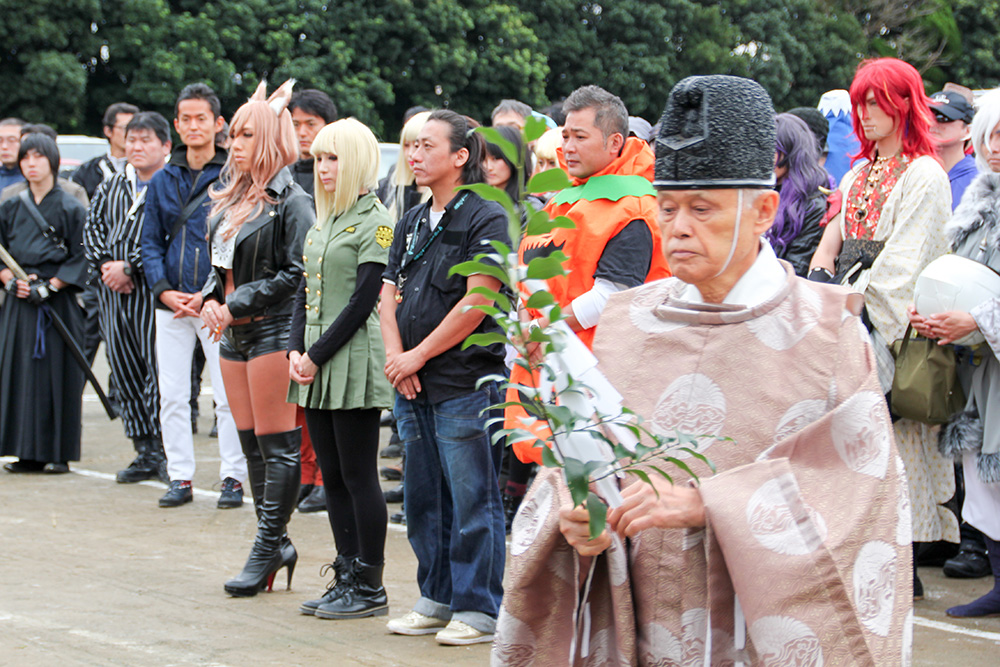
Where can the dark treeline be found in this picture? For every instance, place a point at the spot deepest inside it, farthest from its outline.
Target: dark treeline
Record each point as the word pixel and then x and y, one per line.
pixel 64 61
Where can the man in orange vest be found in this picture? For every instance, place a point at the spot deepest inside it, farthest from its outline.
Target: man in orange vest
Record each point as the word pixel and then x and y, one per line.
pixel 615 244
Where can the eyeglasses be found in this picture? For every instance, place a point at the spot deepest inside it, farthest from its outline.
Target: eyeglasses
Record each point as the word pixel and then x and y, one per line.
pixel 941 118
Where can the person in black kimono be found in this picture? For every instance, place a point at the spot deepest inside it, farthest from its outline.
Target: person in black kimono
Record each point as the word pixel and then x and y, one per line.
pixel 40 382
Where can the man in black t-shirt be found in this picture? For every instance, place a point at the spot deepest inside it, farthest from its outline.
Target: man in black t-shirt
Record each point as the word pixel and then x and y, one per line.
pixel 453 512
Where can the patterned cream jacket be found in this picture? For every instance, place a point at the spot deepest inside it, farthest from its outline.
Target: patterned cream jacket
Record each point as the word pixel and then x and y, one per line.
pixel 806 556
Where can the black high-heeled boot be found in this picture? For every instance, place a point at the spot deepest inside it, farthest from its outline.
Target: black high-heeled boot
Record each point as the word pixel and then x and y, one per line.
pixel 257 472
pixel 272 550
pixel 343 569
pixel 365 596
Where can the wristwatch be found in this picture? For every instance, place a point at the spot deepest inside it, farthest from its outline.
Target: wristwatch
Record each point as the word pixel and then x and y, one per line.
pixel 127 270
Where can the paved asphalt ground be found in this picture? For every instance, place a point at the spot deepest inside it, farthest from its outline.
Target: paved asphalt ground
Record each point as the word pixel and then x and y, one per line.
pixel 94 573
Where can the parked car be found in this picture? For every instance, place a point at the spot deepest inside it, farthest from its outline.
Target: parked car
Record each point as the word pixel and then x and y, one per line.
pixel 75 149
pixel 389 154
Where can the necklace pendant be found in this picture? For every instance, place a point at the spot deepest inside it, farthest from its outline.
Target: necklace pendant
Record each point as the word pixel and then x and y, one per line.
pixel 860 214
pixel 399 297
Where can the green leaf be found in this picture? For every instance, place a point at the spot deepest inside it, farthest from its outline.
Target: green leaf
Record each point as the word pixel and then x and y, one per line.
pixel 641 474
pixel 548 181
pixel 543 268
pixel 539 223
pixel 494 137
pixel 663 474
pixel 534 128
pixel 680 464
pixel 597 513
pixel 549 459
pixel 483 339
pixel 540 299
pixel 492 295
pixel 577 480
pixel 492 311
pixel 479 268
pixel 490 193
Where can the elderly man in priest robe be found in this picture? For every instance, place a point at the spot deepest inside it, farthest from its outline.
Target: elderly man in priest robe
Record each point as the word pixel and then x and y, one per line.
pixel 796 551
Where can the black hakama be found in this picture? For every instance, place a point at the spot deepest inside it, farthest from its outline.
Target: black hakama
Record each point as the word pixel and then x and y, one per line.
pixel 40 382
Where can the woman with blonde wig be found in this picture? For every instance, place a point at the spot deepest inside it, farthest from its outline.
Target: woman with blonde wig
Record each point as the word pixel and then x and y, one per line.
pixel 399 191
pixel 257 225
pixel 336 360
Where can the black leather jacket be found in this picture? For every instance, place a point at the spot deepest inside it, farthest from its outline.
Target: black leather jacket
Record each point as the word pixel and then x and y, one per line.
pixel 267 261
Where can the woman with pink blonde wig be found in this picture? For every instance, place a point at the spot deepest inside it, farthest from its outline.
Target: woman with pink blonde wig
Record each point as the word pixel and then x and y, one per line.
pixel 257 226
pixel 897 199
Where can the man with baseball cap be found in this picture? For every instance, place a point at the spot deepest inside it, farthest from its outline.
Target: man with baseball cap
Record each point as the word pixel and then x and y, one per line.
pixel 952 117
pixel 761 562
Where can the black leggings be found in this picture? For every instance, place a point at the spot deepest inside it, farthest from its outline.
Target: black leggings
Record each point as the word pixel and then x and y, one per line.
pixel 346 444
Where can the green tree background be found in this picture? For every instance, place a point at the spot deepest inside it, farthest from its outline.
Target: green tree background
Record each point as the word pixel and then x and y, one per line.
pixel 64 61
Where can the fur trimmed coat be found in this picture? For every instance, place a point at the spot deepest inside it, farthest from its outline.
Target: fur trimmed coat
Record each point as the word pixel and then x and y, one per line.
pixel 974 232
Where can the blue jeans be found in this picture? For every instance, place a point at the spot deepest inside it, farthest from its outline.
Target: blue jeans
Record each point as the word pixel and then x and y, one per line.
pixel 454 519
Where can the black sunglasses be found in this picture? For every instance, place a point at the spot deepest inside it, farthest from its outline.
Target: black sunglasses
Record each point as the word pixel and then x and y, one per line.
pixel 941 118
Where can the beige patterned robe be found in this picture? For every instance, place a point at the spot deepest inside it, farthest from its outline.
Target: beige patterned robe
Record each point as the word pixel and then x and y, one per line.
pixel 805 559
pixel 912 226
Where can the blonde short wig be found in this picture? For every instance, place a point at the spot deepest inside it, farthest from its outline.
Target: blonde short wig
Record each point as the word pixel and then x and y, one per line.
pixel 545 147
pixel 357 153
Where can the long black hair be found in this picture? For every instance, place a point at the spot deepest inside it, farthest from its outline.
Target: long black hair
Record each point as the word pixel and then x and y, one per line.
pixel 515 186
pixel 461 136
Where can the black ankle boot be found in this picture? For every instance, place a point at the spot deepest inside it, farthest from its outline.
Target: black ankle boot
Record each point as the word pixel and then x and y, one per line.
pixel 272 550
pixel 365 596
pixel 343 570
pixel 141 468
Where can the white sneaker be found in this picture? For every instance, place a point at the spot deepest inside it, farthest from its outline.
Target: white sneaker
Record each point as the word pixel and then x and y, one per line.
pixel 415 623
pixel 458 633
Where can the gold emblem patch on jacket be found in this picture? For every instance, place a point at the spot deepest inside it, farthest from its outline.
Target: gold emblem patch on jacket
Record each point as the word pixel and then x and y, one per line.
pixel 383 236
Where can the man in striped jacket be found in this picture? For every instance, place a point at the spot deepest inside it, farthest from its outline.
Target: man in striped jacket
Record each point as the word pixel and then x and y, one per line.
pixel 125 301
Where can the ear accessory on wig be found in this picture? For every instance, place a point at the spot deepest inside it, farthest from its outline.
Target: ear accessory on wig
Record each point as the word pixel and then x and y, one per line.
pixel 278 101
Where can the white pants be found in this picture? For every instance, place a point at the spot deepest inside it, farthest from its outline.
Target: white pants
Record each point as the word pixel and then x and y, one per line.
pixel 175 341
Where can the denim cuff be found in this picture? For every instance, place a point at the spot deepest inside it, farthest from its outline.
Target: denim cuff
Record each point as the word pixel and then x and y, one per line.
pixel 476 619
pixel 433 609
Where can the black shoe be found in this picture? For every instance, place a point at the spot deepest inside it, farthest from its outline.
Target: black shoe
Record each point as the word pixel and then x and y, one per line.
pixel 343 569
pixel 391 474
pixel 395 494
pixel 178 494
pixel 918 587
pixel 398 517
pixel 968 564
pixel 232 494
pixel 510 505
pixel 194 424
pixel 24 465
pixel 315 501
pixel 214 433
pixel 392 451
pixel 56 468
pixel 364 597
pixel 387 418
pixel 142 466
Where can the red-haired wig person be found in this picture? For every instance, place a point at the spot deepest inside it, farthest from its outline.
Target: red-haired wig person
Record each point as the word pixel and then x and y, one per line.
pixel 896 200
pixel 257 225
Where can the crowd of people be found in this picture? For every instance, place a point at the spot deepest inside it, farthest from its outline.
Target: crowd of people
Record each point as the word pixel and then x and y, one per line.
pixel 737 272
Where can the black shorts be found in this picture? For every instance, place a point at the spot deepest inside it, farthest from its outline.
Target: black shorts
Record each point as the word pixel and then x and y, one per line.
pixel 243 342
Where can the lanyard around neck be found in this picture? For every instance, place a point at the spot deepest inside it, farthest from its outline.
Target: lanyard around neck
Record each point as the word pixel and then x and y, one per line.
pixel 411 257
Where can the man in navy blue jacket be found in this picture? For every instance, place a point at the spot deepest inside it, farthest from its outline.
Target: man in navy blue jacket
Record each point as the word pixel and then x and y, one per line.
pixel 176 261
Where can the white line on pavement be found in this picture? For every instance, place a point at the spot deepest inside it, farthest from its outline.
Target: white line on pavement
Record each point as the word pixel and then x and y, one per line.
pixel 201 493
pixel 956 629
